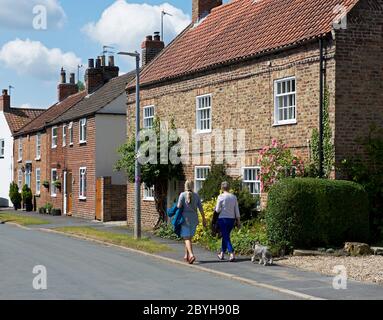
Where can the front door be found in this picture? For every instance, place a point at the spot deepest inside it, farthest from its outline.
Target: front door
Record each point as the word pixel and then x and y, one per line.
pixel 99 199
pixel 69 193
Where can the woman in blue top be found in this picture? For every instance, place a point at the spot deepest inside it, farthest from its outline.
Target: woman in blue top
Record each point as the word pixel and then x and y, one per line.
pixel 189 201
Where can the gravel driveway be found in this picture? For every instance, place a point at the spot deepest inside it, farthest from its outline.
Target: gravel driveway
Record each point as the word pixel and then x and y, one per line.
pixel 369 268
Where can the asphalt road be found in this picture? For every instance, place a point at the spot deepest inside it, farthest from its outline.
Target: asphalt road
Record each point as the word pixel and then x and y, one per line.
pixel 79 269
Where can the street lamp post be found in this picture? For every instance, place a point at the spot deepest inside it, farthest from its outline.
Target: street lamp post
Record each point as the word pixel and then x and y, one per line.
pixel 137 220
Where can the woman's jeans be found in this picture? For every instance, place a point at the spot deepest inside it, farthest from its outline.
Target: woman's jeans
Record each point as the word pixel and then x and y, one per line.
pixel 225 226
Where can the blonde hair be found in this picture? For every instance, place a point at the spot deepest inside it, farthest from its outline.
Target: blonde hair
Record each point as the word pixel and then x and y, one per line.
pixel 189 191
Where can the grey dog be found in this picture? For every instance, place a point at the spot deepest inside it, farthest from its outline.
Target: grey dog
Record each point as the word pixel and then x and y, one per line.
pixel 263 254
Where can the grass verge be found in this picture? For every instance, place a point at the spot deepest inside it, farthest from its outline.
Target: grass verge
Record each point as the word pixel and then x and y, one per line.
pixel 120 239
pixel 21 219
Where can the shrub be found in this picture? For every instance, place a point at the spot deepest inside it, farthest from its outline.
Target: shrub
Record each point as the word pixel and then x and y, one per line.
pixel 27 197
pixel 56 212
pixel 42 210
pixel 212 185
pixel 15 195
pixel 48 208
pixel 277 161
pixel 307 212
pixel 166 231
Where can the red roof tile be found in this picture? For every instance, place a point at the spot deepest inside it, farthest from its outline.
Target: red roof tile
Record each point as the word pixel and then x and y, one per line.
pixel 18 118
pixel 52 113
pixel 242 29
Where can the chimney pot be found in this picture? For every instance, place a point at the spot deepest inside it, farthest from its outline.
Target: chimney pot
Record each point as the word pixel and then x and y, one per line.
pixel 98 63
pixel 90 63
pixel 149 38
pixel 72 78
pixel 63 76
pixel 103 63
pixel 5 92
pixel 111 61
pixel 157 36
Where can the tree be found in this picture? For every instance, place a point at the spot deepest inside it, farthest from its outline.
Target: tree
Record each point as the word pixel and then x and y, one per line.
pixel 15 195
pixel 154 173
pixel 81 86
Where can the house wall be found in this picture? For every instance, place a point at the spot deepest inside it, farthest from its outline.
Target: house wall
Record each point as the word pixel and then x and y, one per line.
pixel 29 156
pixel 110 134
pixel 243 98
pixel 6 163
pixel 359 77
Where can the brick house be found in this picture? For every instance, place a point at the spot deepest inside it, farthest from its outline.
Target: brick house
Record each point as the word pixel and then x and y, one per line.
pixel 81 134
pixel 255 65
pixel 11 120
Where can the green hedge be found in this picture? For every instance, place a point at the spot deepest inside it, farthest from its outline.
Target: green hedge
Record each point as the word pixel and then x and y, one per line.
pixel 307 213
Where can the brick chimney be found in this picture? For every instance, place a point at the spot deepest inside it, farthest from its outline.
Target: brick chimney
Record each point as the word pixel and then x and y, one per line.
pixel 99 74
pixel 5 101
pixel 65 89
pixel 201 8
pixel 151 47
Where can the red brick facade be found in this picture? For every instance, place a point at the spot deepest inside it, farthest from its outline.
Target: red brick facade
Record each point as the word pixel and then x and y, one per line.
pixel 243 94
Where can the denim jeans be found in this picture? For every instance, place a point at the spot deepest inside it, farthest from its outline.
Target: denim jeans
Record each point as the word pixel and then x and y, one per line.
pixel 226 225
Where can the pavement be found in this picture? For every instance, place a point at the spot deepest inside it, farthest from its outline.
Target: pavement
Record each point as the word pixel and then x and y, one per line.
pixel 88 270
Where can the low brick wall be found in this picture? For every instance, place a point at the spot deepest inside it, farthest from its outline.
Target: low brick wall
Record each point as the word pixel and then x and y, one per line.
pixel 113 200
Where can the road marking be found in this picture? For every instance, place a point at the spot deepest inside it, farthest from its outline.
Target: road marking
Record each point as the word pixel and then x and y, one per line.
pixel 196 267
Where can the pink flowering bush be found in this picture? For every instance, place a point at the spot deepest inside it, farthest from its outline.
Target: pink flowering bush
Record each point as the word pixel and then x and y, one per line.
pixel 277 161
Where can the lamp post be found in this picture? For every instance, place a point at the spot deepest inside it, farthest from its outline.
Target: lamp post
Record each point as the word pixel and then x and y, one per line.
pixel 137 220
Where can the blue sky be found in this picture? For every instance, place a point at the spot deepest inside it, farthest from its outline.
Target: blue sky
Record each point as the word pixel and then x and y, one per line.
pixel 76 30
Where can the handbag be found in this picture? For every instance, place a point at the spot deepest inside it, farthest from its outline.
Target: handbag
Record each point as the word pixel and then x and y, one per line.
pixel 215 231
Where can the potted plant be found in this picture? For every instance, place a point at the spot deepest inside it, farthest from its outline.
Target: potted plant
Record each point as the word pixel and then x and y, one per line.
pixel 56 212
pixel 45 184
pixel 48 208
pixel 27 197
pixel 15 195
pixel 57 184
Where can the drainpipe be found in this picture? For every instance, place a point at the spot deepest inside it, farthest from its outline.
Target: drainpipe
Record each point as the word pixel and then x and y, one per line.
pixel 321 98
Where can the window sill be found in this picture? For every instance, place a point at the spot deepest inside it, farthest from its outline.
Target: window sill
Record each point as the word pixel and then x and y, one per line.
pixel 54 147
pixel 37 195
pixel 82 198
pixel 53 195
pixel 285 123
pixel 20 161
pixel 71 144
pixel 149 199
pixel 82 142
pixel 204 131
pixel 38 159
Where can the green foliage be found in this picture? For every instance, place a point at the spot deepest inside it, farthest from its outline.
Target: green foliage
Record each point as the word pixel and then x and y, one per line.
pixel 328 146
pixel 45 183
pixel 308 212
pixel 156 173
pixel 48 208
pixel 81 86
pixel 277 162
pixel 212 188
pixel 369 173
pixel 15 195
pixel 166 231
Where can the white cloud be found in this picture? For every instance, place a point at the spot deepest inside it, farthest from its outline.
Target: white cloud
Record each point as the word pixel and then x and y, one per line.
pixel 19 13
pixel 32 58
pixel 125 25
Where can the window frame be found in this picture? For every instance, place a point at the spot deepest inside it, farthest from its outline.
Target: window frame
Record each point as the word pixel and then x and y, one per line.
pixel 82 123
pixel 199 179
pixel 38 181
pixel 54 137
pixel 53 188
pixel 64 134
pixel 2 148
pixel 198 110
pixel 145 118
pixel 70 133
pixel 20 178
pixel 38 146
pixel 277 121
pixel 246 182
pixel 20 150
pixel 148 193
pixel 82 185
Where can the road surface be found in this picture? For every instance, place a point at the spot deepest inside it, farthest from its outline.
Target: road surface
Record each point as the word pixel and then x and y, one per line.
pixel 78 269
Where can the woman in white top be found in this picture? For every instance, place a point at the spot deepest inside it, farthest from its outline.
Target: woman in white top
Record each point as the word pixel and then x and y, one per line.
pixel 227 207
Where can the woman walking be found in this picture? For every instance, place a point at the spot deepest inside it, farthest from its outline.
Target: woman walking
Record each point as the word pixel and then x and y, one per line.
pixel 227 207
pixel 189 201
